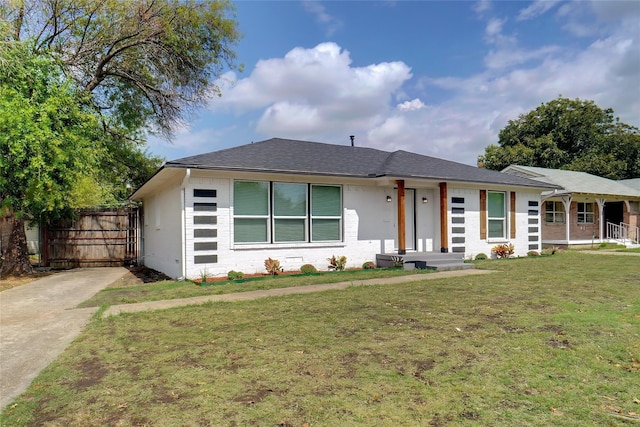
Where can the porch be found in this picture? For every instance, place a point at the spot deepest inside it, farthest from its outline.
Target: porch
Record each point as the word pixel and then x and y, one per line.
pixel 424 260
pixel 623 234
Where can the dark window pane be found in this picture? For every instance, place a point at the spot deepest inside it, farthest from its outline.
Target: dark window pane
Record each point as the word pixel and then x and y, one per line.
pixel 205 207
pixel 204 193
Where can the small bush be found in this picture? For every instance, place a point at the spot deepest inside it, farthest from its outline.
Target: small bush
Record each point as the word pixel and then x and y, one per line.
pixel 337 263
pixel 481 256
pixel 308 269
pixel 368 265
pixel 533 253
pixel 503 250
pixel 235 275
pixel 272 266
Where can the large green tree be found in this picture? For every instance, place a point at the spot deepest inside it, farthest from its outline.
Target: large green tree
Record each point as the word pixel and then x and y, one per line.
pixel 133 67
pixel 47 134
pixel 568 134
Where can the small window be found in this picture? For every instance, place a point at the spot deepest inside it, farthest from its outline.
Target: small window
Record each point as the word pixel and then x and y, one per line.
pixel 205 246
pixel 205 220
pixel 533 203
pixel 497 215
pixel 457 200
pixel 205 232
pixel 457 211
pixel 205 207
pixel 553 212
pixel 197 192
pixel 585 213
pixel 205 259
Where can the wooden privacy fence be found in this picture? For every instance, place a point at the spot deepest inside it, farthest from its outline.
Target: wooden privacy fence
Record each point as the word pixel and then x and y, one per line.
pixel 93 239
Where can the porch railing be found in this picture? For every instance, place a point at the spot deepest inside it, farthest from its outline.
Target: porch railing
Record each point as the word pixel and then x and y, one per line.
pixel 623 232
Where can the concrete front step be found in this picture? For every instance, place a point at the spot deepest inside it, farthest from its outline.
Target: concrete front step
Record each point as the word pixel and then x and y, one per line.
pixel 432 260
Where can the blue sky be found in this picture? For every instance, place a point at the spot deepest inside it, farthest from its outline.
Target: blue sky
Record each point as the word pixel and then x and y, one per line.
pixel 439 78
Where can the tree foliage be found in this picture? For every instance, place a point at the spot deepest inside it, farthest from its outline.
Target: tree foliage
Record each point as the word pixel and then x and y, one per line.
pixel 568 134
pixel 148 64
pixel 47 134
pixel 82 82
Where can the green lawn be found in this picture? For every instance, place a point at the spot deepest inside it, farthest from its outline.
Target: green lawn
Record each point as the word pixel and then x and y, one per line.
pixel 544 341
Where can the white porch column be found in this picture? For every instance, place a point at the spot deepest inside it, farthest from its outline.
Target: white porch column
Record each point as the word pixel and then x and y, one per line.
pixel 566 201
pixel 601 203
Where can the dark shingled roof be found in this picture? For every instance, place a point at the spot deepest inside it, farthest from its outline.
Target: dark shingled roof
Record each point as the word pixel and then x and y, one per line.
pixel 312 158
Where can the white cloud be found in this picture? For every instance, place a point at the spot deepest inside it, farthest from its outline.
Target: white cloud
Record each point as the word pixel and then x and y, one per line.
pixel 535 9
pixel 317 94
pixel 315 8
pixel 482 6
pixel 412 105
pixel 313 90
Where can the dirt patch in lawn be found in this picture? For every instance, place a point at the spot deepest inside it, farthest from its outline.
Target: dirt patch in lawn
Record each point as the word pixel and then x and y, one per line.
pixel 13 281
pixel 139 275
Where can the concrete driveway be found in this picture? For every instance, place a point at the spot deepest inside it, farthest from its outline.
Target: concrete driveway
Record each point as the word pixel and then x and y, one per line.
pixel 39 320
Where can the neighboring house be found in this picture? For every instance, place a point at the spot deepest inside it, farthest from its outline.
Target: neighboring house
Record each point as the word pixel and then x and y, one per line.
pixel 302 202
pixel 599 209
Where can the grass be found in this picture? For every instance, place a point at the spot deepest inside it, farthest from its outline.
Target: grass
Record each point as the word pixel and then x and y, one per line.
pixel 632 250
pixel 543 341
pixel 166 290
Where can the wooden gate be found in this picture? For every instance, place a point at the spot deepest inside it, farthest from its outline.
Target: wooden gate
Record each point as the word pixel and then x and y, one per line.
pixel 93 239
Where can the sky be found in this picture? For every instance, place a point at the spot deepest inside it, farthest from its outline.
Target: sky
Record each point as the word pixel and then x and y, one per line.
pixel 439 78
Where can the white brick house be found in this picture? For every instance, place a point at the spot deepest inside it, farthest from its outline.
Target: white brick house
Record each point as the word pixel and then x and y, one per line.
pixel 302 202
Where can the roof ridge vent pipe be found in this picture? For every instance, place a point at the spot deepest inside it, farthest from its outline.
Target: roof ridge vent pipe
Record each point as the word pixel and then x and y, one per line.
pixel 352 137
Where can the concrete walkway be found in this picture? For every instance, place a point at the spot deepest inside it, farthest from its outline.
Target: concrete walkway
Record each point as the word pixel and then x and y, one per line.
pixel 39 320
pixel 243 296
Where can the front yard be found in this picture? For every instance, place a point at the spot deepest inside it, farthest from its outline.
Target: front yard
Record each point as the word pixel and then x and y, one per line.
pixel 543 341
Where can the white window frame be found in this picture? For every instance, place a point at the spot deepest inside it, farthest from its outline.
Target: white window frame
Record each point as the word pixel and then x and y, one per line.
pixel 585 216
pixel 502 219
pixel 271 217
pixel 320 217
pixel 265 217
pixel 275 217
pixel 559 216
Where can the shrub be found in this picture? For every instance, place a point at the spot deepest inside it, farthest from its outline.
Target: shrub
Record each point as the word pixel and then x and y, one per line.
pixel 272 266
pixel 308 269
pixel 368 265
pixel 503 250
pixel 337 263
pixel 235 275
pixel 533 253
pixel 204 276
pixel 481 256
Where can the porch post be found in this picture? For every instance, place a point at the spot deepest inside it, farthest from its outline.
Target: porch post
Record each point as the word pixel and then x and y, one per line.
pixel 601 219
pixel 402 244
pixel 444 226
pixel 566 201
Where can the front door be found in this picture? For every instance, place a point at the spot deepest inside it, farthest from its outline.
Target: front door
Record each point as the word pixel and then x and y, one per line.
pixel 410 219
pixel 614 213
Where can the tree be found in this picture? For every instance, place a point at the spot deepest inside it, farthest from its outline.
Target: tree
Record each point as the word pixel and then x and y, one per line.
pixel 147 63
pixel 47 136
pixel 132 66
pixel 568 134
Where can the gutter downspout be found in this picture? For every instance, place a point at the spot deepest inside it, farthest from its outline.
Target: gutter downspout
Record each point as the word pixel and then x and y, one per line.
pixel 183 221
